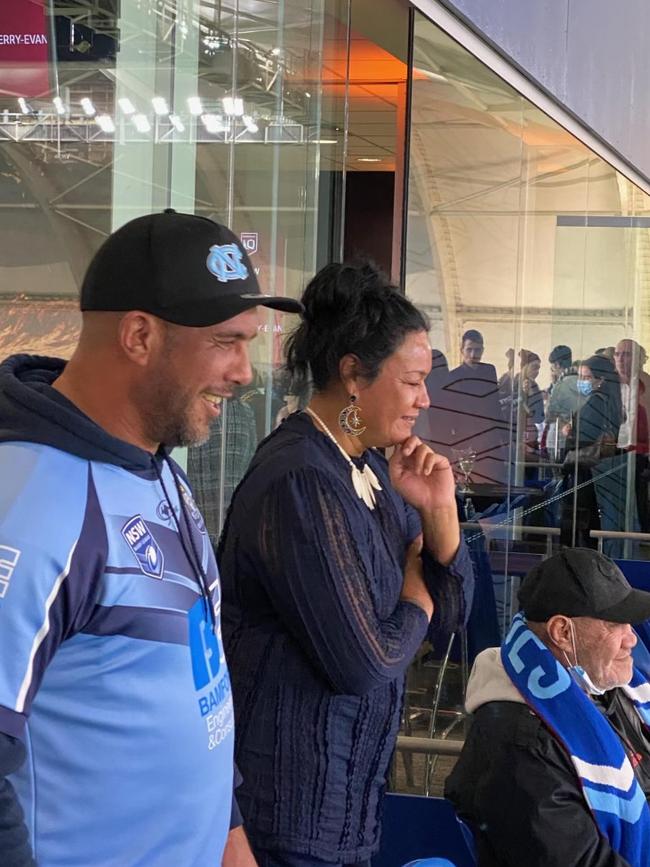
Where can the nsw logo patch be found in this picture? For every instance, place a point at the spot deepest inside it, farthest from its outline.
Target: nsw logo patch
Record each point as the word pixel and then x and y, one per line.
pixel 147 551
pixel 225 261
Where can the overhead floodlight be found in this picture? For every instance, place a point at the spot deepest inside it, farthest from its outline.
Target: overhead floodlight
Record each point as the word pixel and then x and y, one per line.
pixel 141 122
pixel 105 123
pixel 250 124
pixel 88 107
pixel 22 104
pixel 160 105
pixel 194 105
pixel 213 41
pixel 58 105
pixel 213 123
pixel 126 105
pixel 233 106
pixel 176 122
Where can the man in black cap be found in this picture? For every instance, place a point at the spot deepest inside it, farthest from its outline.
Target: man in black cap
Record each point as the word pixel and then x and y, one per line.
pixel 556 766
pixel 116 716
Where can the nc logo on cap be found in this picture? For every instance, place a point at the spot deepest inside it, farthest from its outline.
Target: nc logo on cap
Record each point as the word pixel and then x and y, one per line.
pixel 225 262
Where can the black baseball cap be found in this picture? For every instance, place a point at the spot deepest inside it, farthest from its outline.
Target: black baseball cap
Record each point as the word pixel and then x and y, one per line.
pixel 581 582
pixel 182 268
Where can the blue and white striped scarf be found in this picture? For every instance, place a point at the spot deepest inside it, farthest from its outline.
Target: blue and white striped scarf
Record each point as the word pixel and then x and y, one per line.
pixel 608 782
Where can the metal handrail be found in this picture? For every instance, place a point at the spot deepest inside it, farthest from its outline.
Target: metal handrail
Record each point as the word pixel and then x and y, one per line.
pixel 601 535
pixel 534 531
pixel 487 529
pixel 429 746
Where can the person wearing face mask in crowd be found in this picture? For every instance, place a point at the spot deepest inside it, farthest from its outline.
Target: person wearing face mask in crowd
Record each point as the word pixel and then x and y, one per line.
pixel 590 441
pixel 556 765
pixel 332 558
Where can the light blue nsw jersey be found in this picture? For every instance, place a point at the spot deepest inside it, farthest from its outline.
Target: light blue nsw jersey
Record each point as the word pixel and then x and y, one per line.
pixel 109 668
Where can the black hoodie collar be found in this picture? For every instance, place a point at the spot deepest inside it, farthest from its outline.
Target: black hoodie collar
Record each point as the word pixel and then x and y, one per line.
pixel 32 411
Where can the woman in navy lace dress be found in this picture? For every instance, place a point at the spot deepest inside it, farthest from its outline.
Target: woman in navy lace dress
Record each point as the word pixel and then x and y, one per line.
pixel 332 559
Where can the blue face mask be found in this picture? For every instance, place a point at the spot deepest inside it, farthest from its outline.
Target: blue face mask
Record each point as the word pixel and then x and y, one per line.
pixel 582 679
pixel 585 387
pixel 577 672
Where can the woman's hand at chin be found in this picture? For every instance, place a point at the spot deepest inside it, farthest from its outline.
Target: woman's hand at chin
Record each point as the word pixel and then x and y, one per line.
pixel 421 476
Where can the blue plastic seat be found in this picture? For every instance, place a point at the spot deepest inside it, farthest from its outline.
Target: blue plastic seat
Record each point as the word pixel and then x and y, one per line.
pixel 423 831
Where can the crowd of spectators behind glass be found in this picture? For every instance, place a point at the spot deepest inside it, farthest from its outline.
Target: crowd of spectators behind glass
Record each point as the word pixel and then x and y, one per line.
pixel 605 396
pixel 595 426
pixel 547 417
pixel 587 430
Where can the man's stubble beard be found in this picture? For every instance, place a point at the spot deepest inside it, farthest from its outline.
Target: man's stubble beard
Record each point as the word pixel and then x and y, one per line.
pixel 166 417
pixel 175 428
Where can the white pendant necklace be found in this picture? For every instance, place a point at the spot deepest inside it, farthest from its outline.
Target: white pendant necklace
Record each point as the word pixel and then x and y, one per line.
pixel 364 482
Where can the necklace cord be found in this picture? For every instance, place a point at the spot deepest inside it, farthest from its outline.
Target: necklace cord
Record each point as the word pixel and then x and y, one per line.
pixel 193 559
pixel 364 481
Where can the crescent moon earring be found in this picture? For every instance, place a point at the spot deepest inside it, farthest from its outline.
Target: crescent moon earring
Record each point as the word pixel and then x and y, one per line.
pixel 350 418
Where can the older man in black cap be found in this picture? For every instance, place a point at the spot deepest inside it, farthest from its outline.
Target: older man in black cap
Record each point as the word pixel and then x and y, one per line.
pixel 556 767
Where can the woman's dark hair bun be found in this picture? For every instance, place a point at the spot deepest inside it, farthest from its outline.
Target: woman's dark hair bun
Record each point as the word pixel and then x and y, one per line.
pixel 349 308
pixel 341 290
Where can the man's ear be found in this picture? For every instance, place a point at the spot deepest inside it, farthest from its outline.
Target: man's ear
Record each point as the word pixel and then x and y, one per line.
pixel 558 629
pixel 140 335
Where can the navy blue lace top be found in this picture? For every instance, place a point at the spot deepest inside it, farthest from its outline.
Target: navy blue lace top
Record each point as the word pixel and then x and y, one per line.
pixel 318 641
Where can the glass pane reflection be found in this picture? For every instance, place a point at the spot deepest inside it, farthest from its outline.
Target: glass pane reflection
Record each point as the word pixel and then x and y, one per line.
pixel 529 253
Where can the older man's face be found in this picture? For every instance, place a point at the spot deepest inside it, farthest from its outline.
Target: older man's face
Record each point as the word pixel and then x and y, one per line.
pixel 627 359
pixel 605 651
